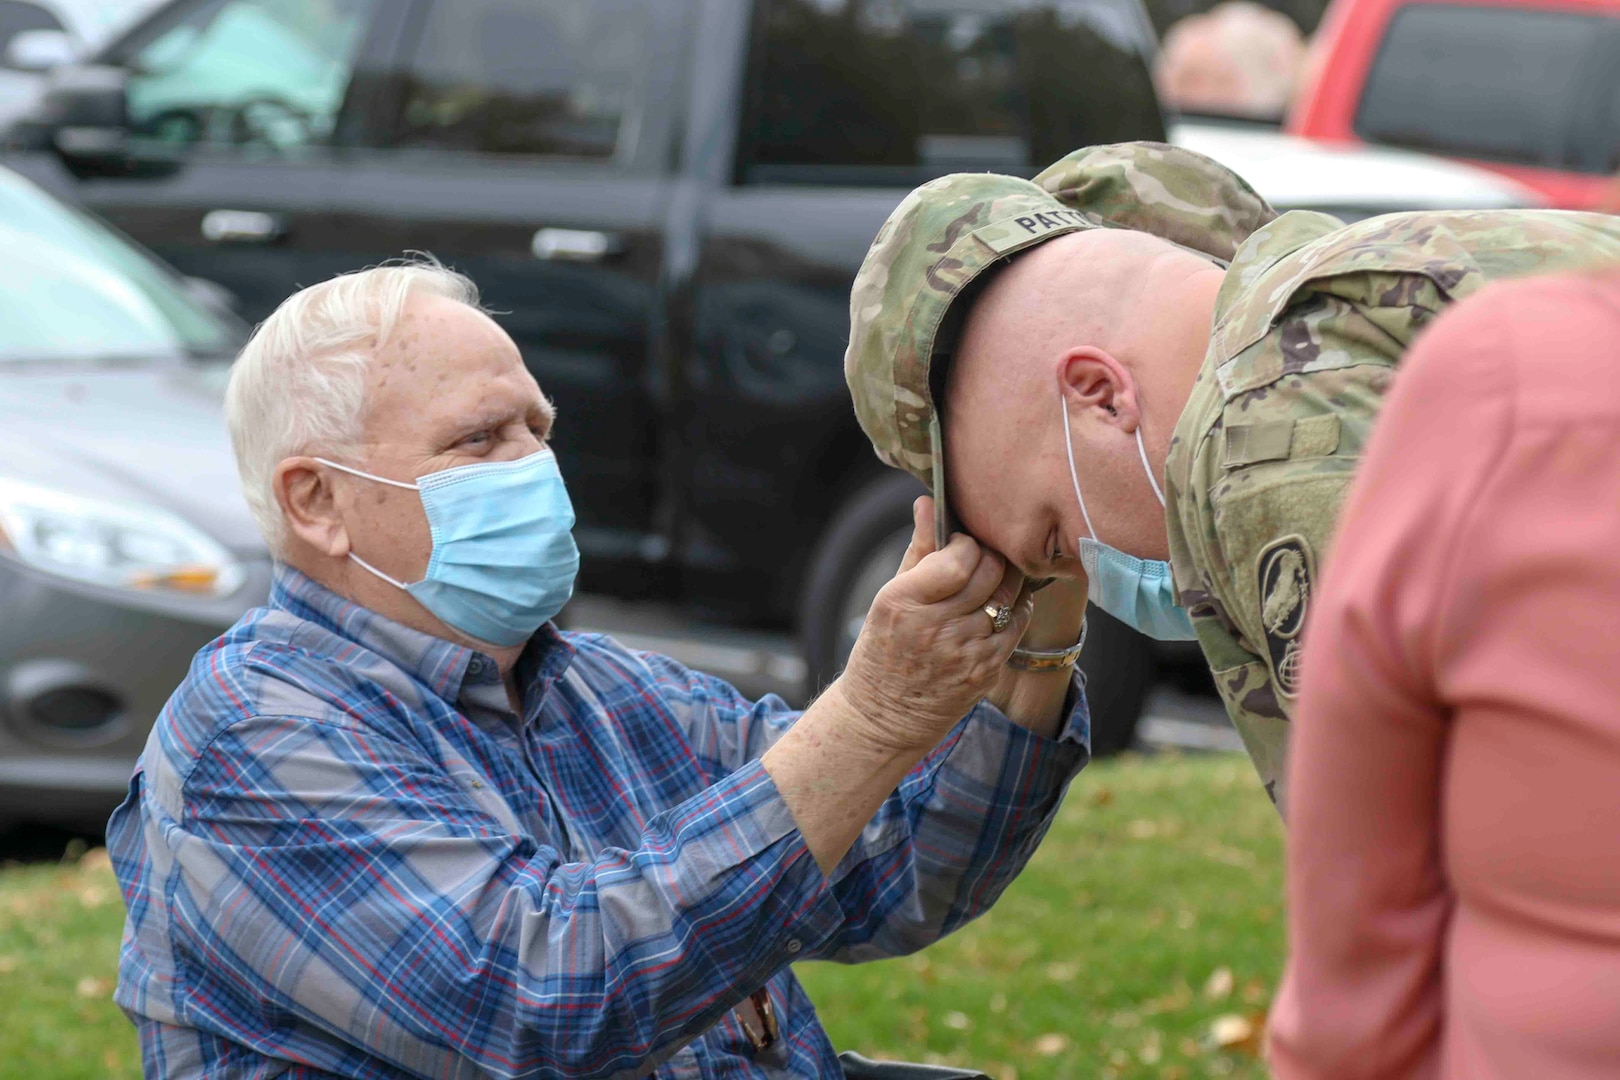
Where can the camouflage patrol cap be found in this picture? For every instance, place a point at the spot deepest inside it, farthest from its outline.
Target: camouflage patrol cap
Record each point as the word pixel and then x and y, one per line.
pixel 948 232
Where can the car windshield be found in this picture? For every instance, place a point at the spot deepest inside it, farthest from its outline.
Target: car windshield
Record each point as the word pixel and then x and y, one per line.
pixel 73 290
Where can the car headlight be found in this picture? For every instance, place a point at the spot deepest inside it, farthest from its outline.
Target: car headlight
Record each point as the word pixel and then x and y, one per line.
pixel 111 544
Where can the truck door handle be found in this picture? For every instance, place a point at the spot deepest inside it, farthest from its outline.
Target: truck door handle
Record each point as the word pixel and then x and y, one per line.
pixel 243 227
pixel 575 245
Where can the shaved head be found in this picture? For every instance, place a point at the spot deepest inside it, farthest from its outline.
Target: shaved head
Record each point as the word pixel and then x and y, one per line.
pixel 1108 324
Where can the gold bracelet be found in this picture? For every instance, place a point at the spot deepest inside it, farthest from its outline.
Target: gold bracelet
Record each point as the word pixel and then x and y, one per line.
pixel 1059 660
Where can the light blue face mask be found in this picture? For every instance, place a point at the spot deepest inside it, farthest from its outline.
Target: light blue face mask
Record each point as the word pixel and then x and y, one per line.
pixel 504 559
pixel 1138 592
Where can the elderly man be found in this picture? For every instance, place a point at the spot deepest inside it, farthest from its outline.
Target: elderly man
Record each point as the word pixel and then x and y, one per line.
pixel 397 824
pixel 1138 312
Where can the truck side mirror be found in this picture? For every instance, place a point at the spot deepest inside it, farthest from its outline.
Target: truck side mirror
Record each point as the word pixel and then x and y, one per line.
pixel 40 50
pixel 84 117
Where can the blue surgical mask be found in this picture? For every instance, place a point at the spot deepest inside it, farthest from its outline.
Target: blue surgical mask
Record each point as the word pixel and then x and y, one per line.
pixel 1140 593
pixel 504 559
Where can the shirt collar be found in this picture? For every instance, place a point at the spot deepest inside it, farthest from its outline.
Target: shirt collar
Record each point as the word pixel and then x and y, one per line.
pixel 442 665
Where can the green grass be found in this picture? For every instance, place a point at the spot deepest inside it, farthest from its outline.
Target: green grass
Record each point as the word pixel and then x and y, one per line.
pixel 59 928
pixel 1152 911
pixel 1145 934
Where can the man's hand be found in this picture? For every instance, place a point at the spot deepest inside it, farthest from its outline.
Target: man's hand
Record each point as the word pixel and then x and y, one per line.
pixel 928 651
pixel 1036 699
pixel 1060 609
pixel 927 654
pixel 1032 699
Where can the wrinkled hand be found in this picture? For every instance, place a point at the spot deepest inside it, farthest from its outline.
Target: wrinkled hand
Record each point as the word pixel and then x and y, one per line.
pixel 927 653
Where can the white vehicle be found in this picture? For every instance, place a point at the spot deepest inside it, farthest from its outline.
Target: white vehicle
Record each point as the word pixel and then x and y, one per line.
pixel 1349 182
pixel 37 35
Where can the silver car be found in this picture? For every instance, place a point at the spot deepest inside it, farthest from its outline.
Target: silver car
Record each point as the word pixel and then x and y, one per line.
pixel 125 545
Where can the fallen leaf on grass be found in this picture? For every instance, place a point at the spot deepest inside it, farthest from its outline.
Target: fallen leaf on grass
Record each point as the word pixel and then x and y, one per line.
pixel 1143 829
pixel 92 987
pixel 1239 1033
pixel 1230 1030
pixel 1102 797
pixel 957 1021
pixel 1219 986
pixel 1231 856
pixel 8 964
pixel 1062 973
pixel 93 897
pixel 1051 1044
pixel 1178 998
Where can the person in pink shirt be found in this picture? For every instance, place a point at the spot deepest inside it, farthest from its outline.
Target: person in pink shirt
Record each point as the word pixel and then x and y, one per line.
pixel 1454 831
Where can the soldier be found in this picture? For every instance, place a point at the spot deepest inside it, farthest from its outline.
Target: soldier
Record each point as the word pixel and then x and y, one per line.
pixel 1138 309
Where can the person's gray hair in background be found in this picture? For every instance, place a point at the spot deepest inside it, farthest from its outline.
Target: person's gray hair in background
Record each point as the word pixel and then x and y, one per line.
pixel 1237 59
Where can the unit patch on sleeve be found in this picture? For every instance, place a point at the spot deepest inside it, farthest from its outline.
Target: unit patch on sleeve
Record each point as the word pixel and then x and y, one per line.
pixel 1286 571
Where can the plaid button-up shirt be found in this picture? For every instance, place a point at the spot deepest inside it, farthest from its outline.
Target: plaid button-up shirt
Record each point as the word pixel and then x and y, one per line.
pixel 344 855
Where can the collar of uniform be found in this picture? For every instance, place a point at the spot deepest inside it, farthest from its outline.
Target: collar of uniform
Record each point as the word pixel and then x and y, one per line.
pixel 1242 317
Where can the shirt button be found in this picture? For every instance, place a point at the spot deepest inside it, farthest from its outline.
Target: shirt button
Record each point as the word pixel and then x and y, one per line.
pixel 794 945
pixel 478 783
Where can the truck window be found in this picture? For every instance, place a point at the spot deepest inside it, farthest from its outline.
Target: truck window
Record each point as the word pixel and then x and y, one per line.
pixel 1493 83
pixel 555 78
pixel 268 73
pixel 896 92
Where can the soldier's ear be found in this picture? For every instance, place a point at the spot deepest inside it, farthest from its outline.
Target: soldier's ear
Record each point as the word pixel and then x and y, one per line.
pixel 1093 381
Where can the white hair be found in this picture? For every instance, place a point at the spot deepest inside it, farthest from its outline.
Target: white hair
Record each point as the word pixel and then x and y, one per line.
pixel 299 385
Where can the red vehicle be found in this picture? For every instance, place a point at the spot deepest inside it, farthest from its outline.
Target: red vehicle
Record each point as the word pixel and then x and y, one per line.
pixel 1529 88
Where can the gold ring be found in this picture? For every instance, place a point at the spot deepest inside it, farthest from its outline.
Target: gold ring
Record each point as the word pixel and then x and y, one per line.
pixel 1000 616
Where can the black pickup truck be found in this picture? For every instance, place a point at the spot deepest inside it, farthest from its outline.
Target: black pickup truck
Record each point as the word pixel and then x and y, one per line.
pixel 665 200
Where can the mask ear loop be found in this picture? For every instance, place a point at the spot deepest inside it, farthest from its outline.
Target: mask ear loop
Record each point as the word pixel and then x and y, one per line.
pixel 400 585
pixel 1074 475
pixel 368 476
pixel 1141 448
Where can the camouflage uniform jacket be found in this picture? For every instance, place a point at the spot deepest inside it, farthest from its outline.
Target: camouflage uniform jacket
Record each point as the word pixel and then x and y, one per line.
pixel 1309 326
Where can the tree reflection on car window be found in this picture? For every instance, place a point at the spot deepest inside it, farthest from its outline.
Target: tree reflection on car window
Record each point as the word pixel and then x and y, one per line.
pixel 901 90
pixel 270 73
pixel 555 78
